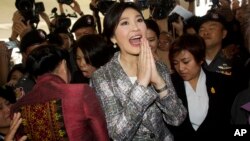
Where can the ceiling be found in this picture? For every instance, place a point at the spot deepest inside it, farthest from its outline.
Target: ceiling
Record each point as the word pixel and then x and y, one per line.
pixel 7 8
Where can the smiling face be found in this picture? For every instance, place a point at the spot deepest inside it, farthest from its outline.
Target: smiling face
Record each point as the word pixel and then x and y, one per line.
pixel 86 69
pixel 129 32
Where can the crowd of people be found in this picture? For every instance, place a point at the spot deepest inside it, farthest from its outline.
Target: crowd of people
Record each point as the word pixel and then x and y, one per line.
pixel 133 80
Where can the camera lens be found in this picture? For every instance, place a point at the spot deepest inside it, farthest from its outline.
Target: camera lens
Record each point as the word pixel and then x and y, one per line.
pixel 25 5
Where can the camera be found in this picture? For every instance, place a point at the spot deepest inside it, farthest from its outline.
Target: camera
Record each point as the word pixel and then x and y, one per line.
pixel 30 10
pixel 215 4
pixel 161 8
pixel 68 2
pixel 39 7
pixel 103 5
pixel 173 17
pixel 62 22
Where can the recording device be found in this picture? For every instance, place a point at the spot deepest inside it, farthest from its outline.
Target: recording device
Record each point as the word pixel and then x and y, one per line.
pixel 103 5
pixel 30 10
pixel 174 17
pixel 61 21
pixel 215 4
pixel 39 7
pixel 68 2
pixel 161 8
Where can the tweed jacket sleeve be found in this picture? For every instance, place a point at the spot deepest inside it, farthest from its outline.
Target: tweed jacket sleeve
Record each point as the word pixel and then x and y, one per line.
pixel 173 109
pixel 131 109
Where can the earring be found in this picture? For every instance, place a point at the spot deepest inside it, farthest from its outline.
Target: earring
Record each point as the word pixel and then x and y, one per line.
pixel 114 45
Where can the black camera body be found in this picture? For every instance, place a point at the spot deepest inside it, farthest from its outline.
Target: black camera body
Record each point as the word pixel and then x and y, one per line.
pixel 68 2
pixel 173 17
pixel 30 10
pixel 103 5
pixel 161 8
pixel 62 22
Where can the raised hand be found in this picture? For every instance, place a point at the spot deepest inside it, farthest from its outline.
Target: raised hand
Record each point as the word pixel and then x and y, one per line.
pixel 76 7
pixel 15 123
pixel 144 65
pixel 155 79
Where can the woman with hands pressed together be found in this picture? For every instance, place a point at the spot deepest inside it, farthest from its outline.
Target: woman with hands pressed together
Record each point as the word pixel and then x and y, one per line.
pixel 136 92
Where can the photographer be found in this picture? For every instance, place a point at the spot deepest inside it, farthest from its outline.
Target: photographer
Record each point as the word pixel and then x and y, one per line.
pixel 71 3
pixel 30 12
pixel 6 48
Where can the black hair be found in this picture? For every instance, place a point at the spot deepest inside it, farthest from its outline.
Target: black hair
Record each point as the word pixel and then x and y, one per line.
pixel 7 93
pixel 95 49
pixel 54 38
pixel 193 22
pixel 112 17
pixel 151 24
pixel 16 67
pixel 32 37
pixel 190 42
pixel 45 59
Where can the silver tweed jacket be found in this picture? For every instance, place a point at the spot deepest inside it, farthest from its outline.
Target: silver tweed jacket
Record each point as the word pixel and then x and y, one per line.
pixel 134 112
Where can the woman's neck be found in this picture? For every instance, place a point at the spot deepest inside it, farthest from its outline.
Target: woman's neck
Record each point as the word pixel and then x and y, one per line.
pixel 129 64
pixel 193 82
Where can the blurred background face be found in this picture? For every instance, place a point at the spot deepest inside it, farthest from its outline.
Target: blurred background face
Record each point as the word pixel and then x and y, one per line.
pixel 66 41
pixel 4 113
pixel 84 31
pixel 212 33
pixel 14 77
pixel 186 66
pixel 165 41
pixel 152 39
pixel 87 69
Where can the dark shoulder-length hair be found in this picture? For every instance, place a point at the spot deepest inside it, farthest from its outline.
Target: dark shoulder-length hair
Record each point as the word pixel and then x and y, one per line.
pixel 113 15
pixel 152 25
pixel 45 59
pixel 189 42
pixel 95 49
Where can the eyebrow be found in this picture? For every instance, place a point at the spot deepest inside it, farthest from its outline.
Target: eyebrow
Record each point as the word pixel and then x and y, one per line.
pixel 125 18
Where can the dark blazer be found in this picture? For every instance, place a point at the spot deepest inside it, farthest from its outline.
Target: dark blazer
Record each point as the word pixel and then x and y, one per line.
pixel 218 116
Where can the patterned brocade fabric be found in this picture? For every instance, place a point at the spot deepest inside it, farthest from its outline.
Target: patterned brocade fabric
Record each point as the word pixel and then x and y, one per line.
pixel 44 122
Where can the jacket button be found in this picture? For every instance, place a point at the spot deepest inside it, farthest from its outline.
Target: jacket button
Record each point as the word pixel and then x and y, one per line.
pixel 152 135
